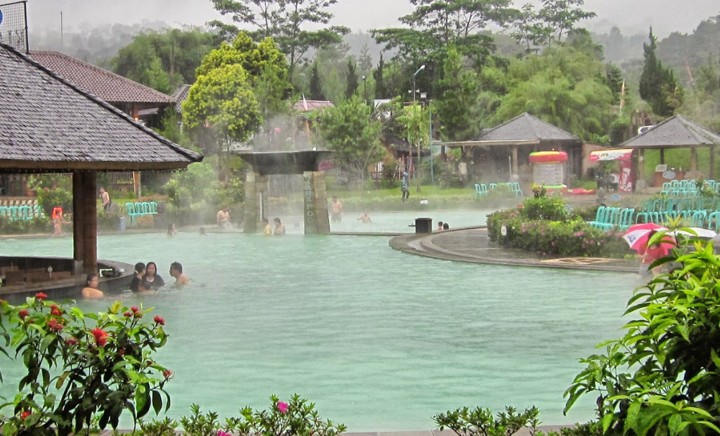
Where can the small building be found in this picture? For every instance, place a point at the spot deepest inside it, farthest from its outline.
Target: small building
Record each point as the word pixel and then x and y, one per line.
pixel 502 152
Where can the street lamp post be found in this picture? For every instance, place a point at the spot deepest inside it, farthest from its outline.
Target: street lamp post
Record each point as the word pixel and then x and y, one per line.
pixel 417 166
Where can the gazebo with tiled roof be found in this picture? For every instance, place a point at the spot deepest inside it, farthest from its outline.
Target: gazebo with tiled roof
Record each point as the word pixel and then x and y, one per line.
pixel 48 124
pixel 676 132
pixel 529 133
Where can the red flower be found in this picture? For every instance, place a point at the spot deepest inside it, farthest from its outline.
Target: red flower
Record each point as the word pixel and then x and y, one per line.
pixel 41 296
pixel 54 325
pixel 54 310
pixel 71 341
pixel 127 314
pixel 282 407
pixel 135 309
pixel 167 374
pixel 25 414
pixel 23 313
pixel 159 320
pixel 100 336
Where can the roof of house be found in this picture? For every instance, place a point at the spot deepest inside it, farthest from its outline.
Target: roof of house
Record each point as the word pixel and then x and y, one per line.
pixel 49 124
pixel 676 131
pixel 103 84
pixel 526 128
pixel 310 105
pixel 180 95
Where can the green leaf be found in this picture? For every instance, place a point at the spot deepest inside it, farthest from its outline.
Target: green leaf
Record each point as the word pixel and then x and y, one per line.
pixel 156 401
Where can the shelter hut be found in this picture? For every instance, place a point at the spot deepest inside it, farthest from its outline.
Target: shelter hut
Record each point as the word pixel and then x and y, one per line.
pixel 501 151
pixel 48 124
pixel 675 132
pixel 135 99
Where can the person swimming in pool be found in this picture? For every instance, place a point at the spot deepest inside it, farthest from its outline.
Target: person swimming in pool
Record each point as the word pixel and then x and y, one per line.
pixel 151 280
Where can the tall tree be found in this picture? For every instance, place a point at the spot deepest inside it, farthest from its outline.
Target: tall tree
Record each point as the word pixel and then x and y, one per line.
pixel 380 91
pixel 163 59
pixel 561 16
pixel 287 22
pixel 221 109
pixel 353 133
pixel 564 86
pixel 436 24
pixel 351 79
pixel 265 65
pixel 316 92
pixel 456 105
pixel 657 83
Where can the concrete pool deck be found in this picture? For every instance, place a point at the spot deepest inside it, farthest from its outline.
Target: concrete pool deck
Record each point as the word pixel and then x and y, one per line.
pixel 473 245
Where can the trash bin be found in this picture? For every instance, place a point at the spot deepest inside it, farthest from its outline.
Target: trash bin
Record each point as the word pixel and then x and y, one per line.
pixel 423 225
pixel 122 224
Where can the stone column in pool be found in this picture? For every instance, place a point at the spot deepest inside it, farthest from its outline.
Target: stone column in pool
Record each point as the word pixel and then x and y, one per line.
pixel 255 204
pixel 317 220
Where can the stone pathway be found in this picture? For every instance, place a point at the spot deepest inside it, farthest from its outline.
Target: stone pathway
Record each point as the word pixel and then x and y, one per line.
pixel 473 245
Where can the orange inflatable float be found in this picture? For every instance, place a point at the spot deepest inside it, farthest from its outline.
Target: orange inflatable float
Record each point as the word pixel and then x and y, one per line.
pixel 548 157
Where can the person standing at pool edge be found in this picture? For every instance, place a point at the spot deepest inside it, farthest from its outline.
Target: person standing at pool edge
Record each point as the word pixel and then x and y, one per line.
pixel 405 186
pixel 105 198
pixel 223 218
pixel 337 210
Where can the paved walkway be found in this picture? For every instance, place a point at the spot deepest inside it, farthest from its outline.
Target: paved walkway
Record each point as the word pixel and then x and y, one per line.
pixel 473 245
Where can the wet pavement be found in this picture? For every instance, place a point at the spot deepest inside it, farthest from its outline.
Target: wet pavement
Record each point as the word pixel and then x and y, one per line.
pixel 473 245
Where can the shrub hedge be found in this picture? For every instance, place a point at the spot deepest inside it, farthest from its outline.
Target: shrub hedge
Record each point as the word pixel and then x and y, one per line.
pixel 546 226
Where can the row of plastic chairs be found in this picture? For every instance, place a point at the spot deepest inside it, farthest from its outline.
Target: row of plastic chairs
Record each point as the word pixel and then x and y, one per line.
pixel 15 213
pixel 483 189
pixel 135 210
pixel 15 202
pixel 607 218
pixel 694 218
pixel 667 204
pixel 689 187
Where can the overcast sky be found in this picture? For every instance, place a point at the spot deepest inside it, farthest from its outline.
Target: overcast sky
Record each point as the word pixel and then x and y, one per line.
pixel 632 16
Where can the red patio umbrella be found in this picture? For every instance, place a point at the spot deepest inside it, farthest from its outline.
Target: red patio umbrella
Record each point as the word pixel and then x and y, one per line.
pixel 638 236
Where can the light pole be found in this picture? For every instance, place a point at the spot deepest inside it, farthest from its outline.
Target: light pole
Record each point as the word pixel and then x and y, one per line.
pixel 422 67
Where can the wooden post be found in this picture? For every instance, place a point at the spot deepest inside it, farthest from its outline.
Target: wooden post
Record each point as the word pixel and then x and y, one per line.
pixel 693 159
pixel 84 222
pixel 514 161
pixel 711 173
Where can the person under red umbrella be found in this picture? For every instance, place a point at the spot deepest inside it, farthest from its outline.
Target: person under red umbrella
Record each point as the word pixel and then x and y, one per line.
pixel 653 251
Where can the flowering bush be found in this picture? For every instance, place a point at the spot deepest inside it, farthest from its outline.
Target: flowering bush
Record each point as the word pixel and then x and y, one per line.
pixel 543 225
pixel 83 367
pixel 296 417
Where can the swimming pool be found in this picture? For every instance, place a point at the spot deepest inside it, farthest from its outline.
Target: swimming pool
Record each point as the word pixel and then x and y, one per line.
pixel 378 339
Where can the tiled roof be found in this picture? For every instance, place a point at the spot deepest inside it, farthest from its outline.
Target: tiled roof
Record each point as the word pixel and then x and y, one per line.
pixel 180 95
pixel 101 83
pixel 527 128
pixel 676 131
pixel 311 105
pixel 46 123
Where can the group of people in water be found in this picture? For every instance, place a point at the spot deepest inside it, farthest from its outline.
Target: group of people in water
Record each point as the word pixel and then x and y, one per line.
pixel 146 279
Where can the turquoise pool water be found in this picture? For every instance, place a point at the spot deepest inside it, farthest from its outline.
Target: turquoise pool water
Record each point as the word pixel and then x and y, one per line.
pixel 378 339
